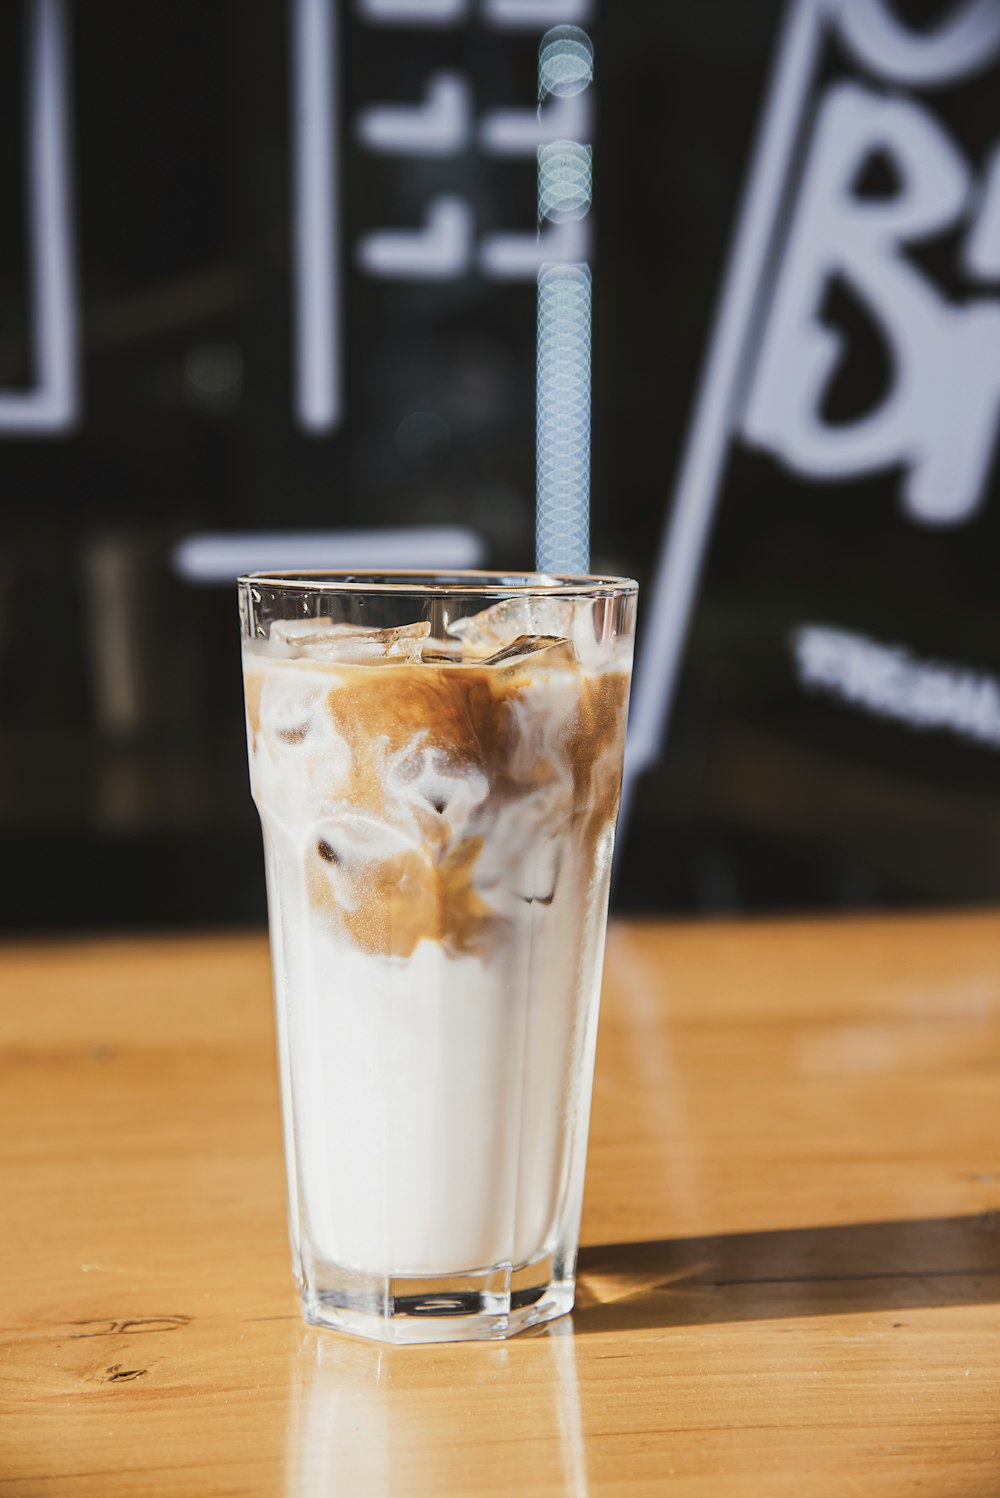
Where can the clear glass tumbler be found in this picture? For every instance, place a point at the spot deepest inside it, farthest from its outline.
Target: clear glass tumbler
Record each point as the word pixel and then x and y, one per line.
pixel 437 765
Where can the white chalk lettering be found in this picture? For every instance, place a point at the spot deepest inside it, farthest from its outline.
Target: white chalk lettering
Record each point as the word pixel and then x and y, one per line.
pixel 889 682
pixel 939 418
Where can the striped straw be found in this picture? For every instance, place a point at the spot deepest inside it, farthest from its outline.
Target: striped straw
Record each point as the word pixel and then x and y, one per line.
pixel 565 66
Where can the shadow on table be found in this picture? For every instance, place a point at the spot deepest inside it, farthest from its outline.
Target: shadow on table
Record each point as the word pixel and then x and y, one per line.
pixel 866 1266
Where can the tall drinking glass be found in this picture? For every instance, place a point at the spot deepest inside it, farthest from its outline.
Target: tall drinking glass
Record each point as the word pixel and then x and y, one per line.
pixel 437 763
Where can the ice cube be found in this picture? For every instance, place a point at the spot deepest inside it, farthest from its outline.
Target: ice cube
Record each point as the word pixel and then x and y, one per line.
pixel 324 640
pixel 405 642
pixel 418 631
pixel 512 619
pixel 525 645
pixel 441 653
pixel 581 623
pixel 296 632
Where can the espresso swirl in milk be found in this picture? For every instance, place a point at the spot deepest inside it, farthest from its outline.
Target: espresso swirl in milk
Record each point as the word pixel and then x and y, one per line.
pixel 427 778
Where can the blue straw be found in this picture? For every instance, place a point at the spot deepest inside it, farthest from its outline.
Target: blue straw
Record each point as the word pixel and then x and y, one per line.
pixel 565 66
pixel 563 430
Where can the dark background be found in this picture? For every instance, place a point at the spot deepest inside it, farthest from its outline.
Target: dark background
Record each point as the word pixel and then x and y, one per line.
pixel 128 804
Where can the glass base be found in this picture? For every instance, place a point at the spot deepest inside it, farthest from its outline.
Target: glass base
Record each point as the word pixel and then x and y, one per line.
pixel 482 1305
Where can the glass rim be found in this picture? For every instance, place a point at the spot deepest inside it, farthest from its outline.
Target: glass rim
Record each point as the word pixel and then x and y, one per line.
pixel 468 582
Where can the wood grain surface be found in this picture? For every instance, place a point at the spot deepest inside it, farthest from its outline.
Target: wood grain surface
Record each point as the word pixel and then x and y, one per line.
pixel 789 1283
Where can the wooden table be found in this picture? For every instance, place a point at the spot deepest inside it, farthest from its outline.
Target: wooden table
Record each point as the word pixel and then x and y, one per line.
pixel 789 1283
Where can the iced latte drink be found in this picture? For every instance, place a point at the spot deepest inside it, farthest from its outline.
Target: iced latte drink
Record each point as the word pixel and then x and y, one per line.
pixel 437 766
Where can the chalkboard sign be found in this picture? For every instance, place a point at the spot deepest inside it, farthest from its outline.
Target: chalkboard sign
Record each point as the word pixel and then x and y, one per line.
pixel 268 296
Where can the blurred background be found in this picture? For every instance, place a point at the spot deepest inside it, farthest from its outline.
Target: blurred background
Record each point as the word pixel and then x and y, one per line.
pixel 268 297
